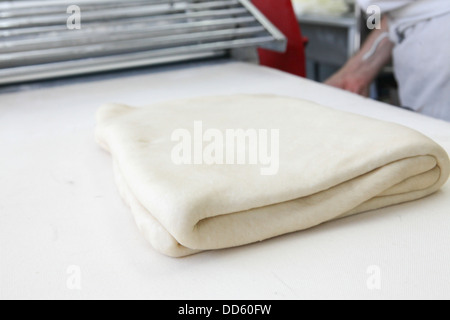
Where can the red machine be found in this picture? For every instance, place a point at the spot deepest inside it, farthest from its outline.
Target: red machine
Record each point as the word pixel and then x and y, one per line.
pixel 281 14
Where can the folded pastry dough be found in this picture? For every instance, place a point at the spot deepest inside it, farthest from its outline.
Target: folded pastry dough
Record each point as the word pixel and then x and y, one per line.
pixel 331 164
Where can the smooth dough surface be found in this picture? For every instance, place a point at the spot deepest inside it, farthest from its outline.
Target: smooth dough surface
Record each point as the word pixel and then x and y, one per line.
pixel 331 164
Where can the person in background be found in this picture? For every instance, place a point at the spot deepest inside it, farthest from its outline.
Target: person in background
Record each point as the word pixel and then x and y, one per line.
pixel 415 34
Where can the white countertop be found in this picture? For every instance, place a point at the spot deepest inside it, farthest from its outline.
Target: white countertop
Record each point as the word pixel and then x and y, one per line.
pixel 66 234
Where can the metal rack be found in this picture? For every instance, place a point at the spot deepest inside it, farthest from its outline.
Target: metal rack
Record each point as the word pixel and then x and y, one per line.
pixel 36 43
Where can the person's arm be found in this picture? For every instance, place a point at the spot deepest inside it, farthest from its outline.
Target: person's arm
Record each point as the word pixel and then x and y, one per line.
pixel 359 72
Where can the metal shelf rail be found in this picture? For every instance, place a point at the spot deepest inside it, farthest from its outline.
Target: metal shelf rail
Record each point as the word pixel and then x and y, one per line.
pixel 36 42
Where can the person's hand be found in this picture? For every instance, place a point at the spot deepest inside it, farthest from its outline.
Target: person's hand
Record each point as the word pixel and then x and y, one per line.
pixel 359 72
pixel 350 81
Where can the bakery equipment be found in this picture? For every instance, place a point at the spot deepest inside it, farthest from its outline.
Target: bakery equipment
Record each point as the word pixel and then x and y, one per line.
pixel 38 42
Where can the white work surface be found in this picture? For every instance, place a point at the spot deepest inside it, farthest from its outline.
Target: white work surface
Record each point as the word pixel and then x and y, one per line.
pixel 63 223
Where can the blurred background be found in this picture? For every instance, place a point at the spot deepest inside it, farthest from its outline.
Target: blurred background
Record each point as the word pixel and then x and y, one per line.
pixel 335 30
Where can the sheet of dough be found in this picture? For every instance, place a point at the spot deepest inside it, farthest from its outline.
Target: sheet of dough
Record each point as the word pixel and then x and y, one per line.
pixel 332 164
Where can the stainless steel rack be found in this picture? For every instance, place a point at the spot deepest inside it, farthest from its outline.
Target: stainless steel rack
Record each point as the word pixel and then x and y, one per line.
pixel 36 43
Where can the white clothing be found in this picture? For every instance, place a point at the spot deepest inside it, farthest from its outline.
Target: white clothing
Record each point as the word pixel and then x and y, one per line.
pixel 420 30
pixel 422 67
pixel 405 13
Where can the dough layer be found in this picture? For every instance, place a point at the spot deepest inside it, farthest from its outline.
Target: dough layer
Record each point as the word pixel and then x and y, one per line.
pixel 332 164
